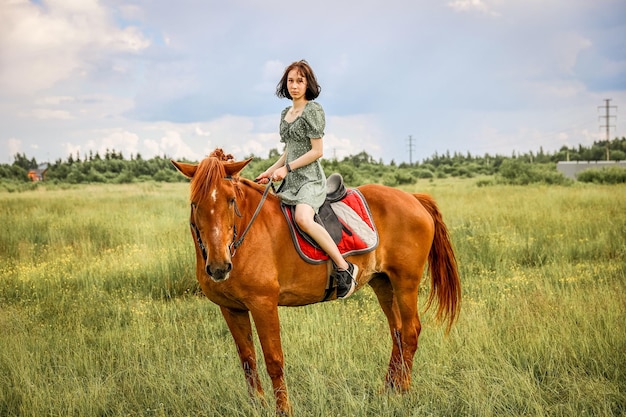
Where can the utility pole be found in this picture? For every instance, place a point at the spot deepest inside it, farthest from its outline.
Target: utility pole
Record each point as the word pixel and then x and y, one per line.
pixel 607 122
pixel 410 144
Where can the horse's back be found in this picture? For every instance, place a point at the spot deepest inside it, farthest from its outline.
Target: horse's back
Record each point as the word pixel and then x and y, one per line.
pixel 393 208
pixel 406 231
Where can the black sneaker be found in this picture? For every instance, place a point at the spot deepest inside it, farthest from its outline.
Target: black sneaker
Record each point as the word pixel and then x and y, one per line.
pixel 346 281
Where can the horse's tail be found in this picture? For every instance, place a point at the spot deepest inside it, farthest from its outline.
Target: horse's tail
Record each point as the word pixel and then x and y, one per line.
pixel 444 274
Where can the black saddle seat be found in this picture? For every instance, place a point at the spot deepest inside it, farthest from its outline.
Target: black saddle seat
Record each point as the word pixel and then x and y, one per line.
pixel 335 191
pixel 335 188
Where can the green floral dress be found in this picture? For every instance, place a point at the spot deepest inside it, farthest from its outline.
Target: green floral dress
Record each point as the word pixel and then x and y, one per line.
pixel 306 184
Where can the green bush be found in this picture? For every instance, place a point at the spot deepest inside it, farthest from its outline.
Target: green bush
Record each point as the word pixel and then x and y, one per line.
pixel 423 173
pixel 95 176
pixel 484 182
pixel 518 172
pixel 18 186
pixel 612 175
pixel 389 180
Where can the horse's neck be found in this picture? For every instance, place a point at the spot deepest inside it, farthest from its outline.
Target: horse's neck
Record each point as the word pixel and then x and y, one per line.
pixel 253 194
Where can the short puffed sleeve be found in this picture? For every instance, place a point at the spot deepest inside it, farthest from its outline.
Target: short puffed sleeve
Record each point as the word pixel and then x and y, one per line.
pixel 282 122
pixel 315 119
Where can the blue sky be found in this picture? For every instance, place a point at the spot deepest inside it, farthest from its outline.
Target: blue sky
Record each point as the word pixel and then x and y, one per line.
pixel 180 78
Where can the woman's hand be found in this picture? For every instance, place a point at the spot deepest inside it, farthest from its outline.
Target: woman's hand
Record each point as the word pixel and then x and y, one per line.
pixel 278 175
pixel 264 178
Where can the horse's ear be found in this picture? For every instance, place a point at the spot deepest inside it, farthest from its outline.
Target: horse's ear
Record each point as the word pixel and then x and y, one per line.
pixel 188 170
pixel 234 168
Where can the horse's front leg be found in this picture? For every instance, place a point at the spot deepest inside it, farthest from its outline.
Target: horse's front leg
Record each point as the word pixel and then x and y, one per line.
pixel 265 314
pixel 238 322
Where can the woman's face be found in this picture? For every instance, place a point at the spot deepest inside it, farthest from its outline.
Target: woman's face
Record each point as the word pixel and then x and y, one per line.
pixel 296 84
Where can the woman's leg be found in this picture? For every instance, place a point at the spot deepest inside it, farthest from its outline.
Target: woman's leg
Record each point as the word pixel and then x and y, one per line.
pixel 346 273
pixel 305 220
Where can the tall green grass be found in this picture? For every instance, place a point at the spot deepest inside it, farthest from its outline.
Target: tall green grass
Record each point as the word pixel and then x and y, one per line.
pixel 100 313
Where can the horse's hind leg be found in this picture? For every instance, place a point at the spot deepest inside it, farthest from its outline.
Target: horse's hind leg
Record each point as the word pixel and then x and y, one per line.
pixel 405 327
pixel 384 292
pixel 405 296
pixel 238 322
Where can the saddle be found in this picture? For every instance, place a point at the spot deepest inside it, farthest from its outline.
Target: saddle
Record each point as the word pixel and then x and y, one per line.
pixel 335 191
pixel 346 217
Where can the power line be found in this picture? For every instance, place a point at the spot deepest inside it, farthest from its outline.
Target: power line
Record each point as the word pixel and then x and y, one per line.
pixel 607 119
pixel 411 147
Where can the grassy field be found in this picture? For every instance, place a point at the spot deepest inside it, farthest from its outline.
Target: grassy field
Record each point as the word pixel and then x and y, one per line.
pixel 100 315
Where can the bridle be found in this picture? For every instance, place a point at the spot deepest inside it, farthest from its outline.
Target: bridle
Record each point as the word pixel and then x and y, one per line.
pixel 196 234
pixel 236 242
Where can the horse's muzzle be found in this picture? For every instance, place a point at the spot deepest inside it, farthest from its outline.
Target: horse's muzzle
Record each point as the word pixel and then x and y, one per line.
pixel 219 273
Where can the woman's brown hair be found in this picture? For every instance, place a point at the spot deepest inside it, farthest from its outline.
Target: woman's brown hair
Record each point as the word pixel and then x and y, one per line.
pixel 313 89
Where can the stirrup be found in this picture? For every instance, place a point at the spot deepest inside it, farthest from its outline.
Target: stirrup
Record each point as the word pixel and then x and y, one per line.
pixel 346 289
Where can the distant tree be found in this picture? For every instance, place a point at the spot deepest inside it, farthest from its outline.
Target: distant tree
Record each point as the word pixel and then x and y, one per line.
pixel 273 154
pixel 20 160
pixel 520 168
pixel 618 155
pixel 360 159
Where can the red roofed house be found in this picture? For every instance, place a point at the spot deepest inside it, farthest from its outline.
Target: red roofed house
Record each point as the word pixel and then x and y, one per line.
pixel 39 173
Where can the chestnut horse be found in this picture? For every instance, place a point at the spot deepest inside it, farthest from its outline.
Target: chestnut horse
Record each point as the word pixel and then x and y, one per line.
pixel 266 271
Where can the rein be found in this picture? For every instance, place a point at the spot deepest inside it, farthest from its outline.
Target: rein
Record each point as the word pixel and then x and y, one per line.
pixel 236 243
pixel 196 234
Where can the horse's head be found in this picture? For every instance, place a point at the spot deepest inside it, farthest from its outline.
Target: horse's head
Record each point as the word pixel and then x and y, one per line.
pixel 213 211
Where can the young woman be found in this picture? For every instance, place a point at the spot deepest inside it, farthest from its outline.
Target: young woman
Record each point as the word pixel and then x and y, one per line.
pixel 301 129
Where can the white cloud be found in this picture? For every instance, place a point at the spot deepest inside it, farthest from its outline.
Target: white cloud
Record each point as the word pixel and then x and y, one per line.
pixel 51 114
pixel 565 48
pixel 40 46
pixel 349 135
pixel 71 148
pixel 270 75
pixel 131 12
pixel 200 132
pixel 14 146
pixel 128 39
pixel 81 72
pixel 472 6
pixel 118 140
pixel 122 141
pixel 547 91
pixel 53 100
pixel 272 70
pixel 172 145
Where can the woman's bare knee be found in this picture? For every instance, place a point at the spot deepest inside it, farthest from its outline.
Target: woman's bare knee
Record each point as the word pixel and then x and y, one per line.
pixel 304 217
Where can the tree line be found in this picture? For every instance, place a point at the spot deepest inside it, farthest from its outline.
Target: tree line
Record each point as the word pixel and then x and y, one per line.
pixel 361 168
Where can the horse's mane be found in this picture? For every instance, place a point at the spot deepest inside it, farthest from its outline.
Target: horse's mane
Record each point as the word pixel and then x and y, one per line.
pixel 212 169
pixel 209 169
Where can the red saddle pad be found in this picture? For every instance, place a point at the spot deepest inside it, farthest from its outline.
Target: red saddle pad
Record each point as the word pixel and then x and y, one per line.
pixel 359 234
